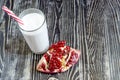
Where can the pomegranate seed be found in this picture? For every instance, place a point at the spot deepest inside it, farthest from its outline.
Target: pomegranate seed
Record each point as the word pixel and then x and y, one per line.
pixel 47 57
pixel 67 49
pixel 43 66
pixel 53 46
pixel 56 54
pixel 61 43
pixel 73 58
pixel 54 64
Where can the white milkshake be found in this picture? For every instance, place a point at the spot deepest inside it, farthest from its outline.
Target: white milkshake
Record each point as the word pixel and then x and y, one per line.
pixel 35 31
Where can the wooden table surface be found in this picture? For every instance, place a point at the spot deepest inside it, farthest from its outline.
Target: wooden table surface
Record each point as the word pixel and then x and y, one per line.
pixel 92 26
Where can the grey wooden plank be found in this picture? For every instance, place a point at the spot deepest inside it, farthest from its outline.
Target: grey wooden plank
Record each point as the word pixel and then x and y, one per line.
pixel 17 55
pixel 2 56
pixel 62 25
pixel 103 39
pixel 114 39
pixel 71 24
pixel 95 38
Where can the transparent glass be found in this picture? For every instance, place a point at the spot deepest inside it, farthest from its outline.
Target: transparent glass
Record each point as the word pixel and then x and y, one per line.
pixel 37 38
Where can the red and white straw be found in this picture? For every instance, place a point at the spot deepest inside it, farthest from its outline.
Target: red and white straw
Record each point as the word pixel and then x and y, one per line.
pixel 9 12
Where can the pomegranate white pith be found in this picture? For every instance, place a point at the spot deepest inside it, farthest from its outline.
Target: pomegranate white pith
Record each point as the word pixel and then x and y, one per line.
pixel 58 58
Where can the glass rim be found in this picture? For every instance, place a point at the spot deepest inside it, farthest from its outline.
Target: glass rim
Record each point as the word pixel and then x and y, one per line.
pixel 28 11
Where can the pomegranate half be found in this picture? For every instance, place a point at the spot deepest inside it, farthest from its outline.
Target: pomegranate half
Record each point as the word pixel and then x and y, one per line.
pixel 58 58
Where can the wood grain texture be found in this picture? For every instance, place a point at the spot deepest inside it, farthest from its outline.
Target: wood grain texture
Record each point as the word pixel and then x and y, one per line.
pixel 92 26
pixel 103 39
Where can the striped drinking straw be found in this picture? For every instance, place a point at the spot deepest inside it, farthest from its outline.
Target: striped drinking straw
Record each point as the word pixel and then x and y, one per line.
pixel 10 13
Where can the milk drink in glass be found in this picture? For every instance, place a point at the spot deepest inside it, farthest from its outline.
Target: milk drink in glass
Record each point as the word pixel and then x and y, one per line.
pixel 34 30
